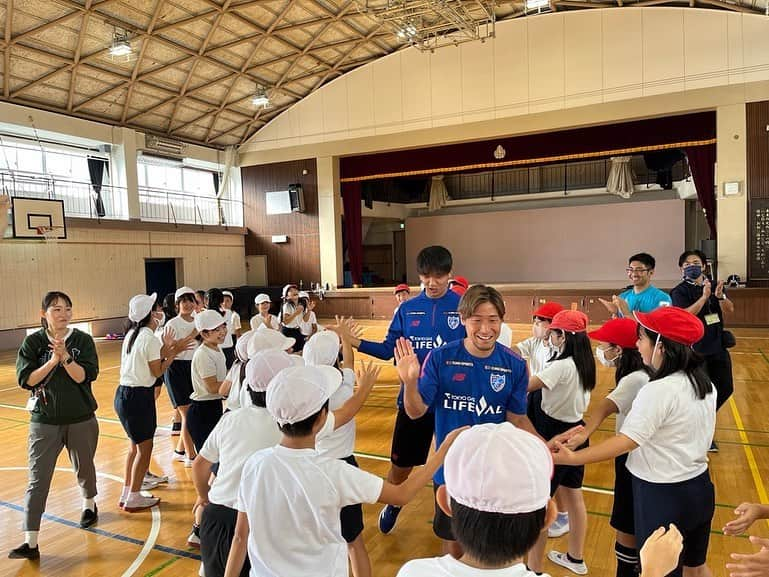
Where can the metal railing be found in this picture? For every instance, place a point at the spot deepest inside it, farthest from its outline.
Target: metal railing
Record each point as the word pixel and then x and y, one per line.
pixel 78 196
pixel 177 207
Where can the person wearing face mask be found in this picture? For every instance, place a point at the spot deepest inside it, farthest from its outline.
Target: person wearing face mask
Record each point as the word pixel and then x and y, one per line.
pixel 618 350
pixel 142 360
pixel 697 295
pixel 667 433
pixel 470 381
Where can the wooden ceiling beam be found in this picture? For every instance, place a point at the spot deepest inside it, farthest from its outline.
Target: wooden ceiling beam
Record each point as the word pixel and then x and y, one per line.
pixel 7 49
pixel 78 49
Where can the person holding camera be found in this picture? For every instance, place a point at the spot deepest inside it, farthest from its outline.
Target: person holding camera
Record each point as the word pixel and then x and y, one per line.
pixel 698 295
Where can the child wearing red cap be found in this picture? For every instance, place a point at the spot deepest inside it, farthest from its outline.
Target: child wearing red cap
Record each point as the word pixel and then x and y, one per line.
pixel 566 383
pixel 536 349
pixel 618 349
pixel 402 293
pixel 667 433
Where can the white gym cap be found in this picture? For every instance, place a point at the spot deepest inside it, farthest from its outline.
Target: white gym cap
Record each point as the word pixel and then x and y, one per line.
pixel 304 295
pixel 241 347
pixel 265 338
pixel 499 468
pixel 287 288
pixel 228 294
pixel 321 349
pixel 299 392
pixel 262 298
pixel 208 320
pixel 183 291
pixel 140 306
pixel 263 367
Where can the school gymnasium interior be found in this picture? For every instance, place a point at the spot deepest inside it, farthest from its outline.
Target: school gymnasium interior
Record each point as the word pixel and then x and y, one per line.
pixel 248 144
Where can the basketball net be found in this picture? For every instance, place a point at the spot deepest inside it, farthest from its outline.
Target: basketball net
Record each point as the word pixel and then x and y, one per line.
pixel 49 233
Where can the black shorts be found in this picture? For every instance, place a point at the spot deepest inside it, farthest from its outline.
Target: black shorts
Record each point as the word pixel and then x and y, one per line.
pixel 411 439
pixel 295 334
pixel 441 521
pixel 135 407
pixel 689 504
pixel 569 476
pixel 158 382
pixel 622 518
pixel 217 528
pixel 202 417
pixel 229 356
pixel 178 379
pixel 350 515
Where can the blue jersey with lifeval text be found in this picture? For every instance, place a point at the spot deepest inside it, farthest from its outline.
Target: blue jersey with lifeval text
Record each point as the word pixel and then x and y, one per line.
pixel 466 390
pixel 428 323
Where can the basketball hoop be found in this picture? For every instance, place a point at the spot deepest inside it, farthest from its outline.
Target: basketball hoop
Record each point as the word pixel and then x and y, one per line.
pixel 49 233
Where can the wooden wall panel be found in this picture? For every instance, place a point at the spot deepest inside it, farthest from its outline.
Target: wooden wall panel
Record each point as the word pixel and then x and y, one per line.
pixel 757 122
pixel 299 258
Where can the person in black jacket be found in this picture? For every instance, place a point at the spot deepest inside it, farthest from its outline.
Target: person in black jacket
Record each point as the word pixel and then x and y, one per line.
pixel 58 364
pixel 697 295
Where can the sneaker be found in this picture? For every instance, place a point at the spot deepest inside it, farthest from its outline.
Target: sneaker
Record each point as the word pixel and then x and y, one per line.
pixel 559 527
pixel 89 517
pixel 562 559
pixel 193 540
pixel 179 456
pixel 25 552
pixel 713 447
pixel 188 462
pixel 387 518
pixel 176 428
pixel 149 485
pixel 150 476
pixel 140 503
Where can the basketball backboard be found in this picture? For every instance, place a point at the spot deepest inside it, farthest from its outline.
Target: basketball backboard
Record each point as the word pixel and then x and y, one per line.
pixel 31 215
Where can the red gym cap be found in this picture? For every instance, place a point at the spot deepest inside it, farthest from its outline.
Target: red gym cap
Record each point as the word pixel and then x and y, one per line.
pixel 673 323
pixel 621 332
pixel 460 281
pixel 459 289
pixel 548 310
pixel 402 287
pixel 570 321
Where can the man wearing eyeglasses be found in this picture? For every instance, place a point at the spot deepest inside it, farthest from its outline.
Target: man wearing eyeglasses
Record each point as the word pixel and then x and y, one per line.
pixel 642 296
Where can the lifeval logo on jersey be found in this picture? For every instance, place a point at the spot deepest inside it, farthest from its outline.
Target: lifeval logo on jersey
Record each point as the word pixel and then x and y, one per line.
pixel 468 403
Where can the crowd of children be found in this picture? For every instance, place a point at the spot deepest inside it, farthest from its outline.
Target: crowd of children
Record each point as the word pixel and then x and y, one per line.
pixel 266 421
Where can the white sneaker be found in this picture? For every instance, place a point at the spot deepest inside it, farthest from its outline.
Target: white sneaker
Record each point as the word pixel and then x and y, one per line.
pixel 562 560
pixel 140 503
pixel 149 485
pixel 149 476
pixel 193 540
pixel 559 527
pixel 179 457
pixel 188 463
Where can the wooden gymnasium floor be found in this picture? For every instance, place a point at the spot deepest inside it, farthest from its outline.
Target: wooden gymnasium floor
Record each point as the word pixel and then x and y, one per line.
pixel 154 543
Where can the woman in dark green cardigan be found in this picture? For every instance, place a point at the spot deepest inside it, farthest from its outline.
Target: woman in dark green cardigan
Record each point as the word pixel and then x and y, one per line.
pixel 58 364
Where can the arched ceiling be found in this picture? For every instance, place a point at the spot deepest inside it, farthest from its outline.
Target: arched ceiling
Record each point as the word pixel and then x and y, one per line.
pixel 195 64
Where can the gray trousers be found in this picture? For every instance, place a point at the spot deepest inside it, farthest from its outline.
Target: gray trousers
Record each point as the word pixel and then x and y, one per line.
pixel 45 445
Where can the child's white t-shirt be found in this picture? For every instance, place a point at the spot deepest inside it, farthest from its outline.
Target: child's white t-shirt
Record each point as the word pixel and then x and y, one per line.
pixel 296 322
pixel 339 444
pixel 306 326
pixel 228 322
pixel 207 362
pixel 258 320
pixel 563 397
pixel 293 498
pixel 537 352
pixel 181 329
pixel 447 566
pixel 135 366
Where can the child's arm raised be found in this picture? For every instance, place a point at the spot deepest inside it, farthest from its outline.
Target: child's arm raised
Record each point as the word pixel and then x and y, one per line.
pixel 366 377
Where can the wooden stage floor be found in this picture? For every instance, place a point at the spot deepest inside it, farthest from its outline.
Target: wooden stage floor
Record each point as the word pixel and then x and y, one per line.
pixel 154 544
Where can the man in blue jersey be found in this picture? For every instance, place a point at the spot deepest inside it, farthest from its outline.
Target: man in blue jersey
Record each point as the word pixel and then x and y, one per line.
pixel 428 321
pixel 642 296
pixel 466 382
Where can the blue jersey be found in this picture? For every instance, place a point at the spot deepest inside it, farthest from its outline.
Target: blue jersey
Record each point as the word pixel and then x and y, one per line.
pixel 428 323
pixel 465 390
pixel 647 300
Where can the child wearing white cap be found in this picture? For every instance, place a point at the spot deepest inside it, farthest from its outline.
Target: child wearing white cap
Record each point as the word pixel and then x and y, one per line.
pixel 309 322
pixel 178 376
pixel 228 346
pixel 291 312
pixel 234 439
pixel 233 387
pixel 263 316
pixel 290 496
pixel 143 359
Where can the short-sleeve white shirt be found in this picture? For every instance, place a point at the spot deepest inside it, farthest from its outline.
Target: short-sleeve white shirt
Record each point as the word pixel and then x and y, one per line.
pixel 258 320
pixel 296 322
pixel 447 566
pixel 228 322
pixel 181 329
pixel 340 443
pixel 207 362
pixel 625 393
pixel 673 430
pixel 135 366
pixel 238 435
pixel 293 498
pixel 563 398
pixel 306 326
pixel 537 352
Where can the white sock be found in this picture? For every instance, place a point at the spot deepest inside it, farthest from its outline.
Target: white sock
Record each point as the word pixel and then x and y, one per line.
pixel 30 537
pixel 563 516
pixel 133 495
pixel 89 504
pixel 124 494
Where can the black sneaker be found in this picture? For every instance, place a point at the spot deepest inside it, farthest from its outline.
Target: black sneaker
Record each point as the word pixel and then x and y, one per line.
pixel 713 447
pixel 25 552
pixel 176 428
pixel 89 517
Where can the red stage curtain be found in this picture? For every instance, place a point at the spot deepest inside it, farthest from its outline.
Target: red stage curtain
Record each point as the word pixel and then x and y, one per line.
pixel 353 228
pixel 702 162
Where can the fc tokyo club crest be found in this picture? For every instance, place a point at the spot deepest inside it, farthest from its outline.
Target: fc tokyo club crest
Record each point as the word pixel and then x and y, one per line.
pixel 497 382
pixel 453 321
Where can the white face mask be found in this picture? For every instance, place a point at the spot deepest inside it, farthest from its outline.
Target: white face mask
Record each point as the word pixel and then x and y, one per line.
pixel 538 331
pixel 553 345
pixel 654 351
pixel 601 356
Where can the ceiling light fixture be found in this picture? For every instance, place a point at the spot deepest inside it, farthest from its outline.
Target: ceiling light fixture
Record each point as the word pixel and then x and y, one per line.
pixel 537 4
pixel 121 46
pixel 260 99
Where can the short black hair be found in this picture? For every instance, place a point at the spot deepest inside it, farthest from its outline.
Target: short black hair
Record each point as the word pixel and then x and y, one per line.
pixel 302 428
pixel 214 299
pixel 258 398
pixel 496 539
pixel 577 346
pixel 169 306
pixel 645 258
pixel 687 253
pixel 434 260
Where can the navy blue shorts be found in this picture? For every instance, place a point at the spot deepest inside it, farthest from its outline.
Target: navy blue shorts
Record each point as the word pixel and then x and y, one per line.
pixel 351 516
pixel 622 518
pixel 229 356
pixel 689 504
pixel 135 407
pixel 202 417
pixel 178 380
pixel 411 439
